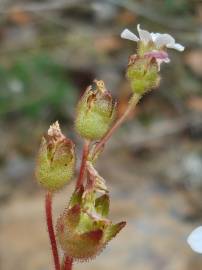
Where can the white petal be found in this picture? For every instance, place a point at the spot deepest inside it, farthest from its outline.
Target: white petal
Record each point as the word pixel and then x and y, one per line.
pixel 160 61
pixel 166 60
pixel 145 36
pixel 154 36
pixel 195 240
pixel 127 34
pixel 164 40
pixel 176 46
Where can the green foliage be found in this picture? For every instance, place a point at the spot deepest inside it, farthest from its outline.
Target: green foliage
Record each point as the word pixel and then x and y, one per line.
pixel 177 7
pixel 33 84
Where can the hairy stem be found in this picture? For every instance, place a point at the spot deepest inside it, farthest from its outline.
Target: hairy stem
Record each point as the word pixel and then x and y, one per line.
pixel 83 163
pixel 132 103
pixel 67 263
pixel 49 221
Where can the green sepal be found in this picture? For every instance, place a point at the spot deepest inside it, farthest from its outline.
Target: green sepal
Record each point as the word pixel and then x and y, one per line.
pixel 76 197
pixel 73 216
pixel 88 201
pixel 112 230
pixel 143 75
pixel 86 223
pixel 84 246
pixel 102 205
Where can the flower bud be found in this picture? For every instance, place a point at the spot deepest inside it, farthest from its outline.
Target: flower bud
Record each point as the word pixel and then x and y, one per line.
pixel 83 230
pixel 142 74
pixel 95 112
pixel 56 160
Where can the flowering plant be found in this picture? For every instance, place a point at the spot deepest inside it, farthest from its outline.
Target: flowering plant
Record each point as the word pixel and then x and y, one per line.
pixel 84 228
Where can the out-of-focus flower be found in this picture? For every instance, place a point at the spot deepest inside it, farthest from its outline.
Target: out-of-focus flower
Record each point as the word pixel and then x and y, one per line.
pixel 153 44
pixel 195 240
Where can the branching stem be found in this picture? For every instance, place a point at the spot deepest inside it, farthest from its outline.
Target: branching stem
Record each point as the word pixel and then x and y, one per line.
pixel 132 103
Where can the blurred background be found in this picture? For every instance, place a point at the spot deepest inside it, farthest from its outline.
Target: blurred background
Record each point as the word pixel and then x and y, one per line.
pixel 49 52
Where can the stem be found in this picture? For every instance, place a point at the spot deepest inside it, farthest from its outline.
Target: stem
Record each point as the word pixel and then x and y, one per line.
pixel 49 221
pixel 83 163
pixel 132 103
pixel 67 264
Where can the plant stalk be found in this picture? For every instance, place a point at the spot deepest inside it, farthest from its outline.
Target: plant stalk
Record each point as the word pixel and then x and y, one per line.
pixel 49 221
pixel 67 263
pixel 83 163
pixel 132 103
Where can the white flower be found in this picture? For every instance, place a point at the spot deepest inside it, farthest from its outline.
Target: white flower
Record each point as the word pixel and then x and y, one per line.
pixel 195 240
pixel 159 40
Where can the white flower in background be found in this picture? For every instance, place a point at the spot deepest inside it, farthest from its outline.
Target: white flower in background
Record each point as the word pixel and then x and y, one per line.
pixel 157 41
pixel 195 240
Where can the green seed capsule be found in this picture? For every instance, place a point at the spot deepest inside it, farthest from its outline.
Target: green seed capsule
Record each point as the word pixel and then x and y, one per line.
pixel 95 112
pixel 56 160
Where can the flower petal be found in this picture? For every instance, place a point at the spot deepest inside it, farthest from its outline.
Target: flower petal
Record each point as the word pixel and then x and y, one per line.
pixel 157 54
pixel 160 56
pixel 166 60
pixel 164 40
pixel 127 34
pixel 195 240
pixel 145 36
pixel 154 36
pixel 176 46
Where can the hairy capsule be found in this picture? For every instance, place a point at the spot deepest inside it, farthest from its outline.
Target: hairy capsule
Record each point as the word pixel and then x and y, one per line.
pixel 83 230
pixel 56 160
pixel 95 112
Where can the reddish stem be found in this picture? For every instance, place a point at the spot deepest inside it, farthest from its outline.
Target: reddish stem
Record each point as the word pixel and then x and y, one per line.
pixel 67 264
pixel 49 221
pixel 132 103
pixel 83 164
